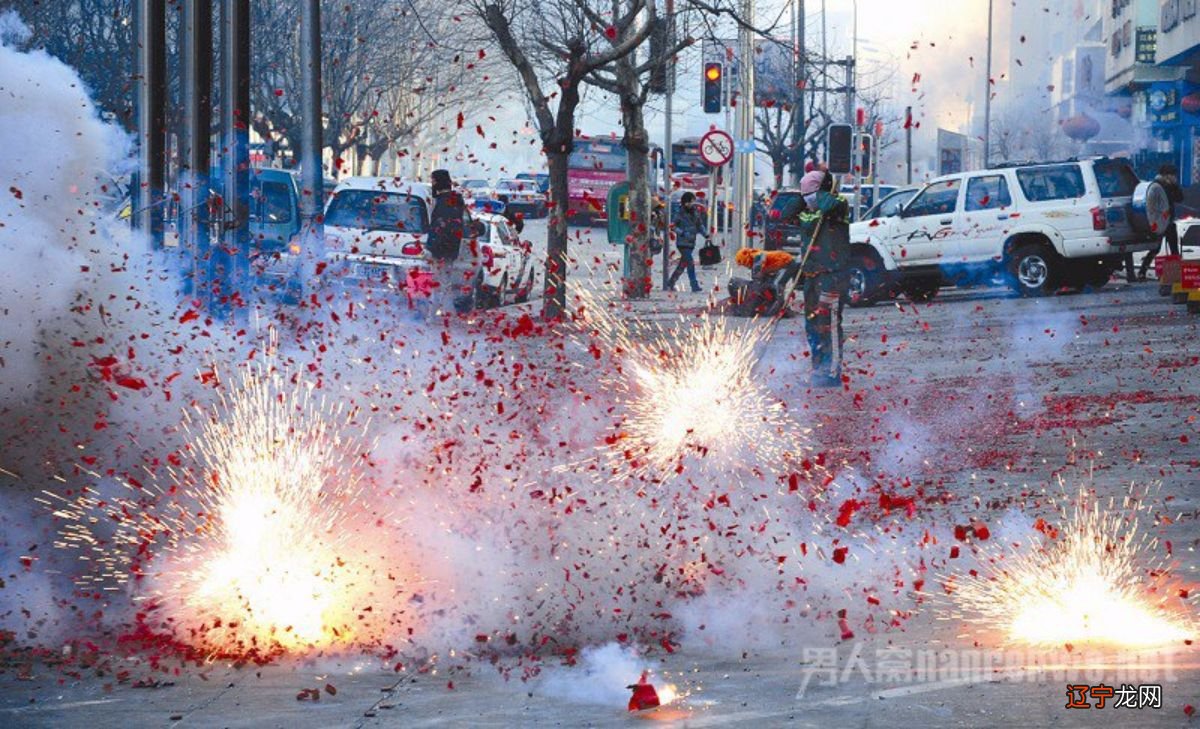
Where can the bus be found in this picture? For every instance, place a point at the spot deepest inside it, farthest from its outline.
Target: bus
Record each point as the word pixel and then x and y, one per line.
pixel 597 164
pixel 689 172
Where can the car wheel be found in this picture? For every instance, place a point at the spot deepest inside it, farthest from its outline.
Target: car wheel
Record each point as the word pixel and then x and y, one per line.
pixel 863 280
pixel 1095 277
pixel 1033 270
pixel 921 290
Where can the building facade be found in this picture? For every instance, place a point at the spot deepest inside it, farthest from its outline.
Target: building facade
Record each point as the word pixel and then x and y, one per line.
pixel 1172 107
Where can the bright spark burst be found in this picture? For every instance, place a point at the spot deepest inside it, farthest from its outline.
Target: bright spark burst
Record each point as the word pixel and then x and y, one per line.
pixel 690 397
pixel 1083 586
pixel 258 544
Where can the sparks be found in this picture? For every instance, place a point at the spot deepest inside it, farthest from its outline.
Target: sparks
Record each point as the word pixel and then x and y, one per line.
pixel 690 398
pixel 1083 586
pixel 258 544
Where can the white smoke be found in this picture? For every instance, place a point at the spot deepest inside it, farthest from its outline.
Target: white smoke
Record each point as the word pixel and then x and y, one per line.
pixel 56 152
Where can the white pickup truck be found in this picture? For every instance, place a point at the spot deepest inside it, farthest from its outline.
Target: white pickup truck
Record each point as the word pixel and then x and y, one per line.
pixel 1038 227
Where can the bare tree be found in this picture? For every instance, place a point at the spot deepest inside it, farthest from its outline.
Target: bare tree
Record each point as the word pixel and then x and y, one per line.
pixel 1019 134
pixel 629 79
pixel 92 36
pixel 552 46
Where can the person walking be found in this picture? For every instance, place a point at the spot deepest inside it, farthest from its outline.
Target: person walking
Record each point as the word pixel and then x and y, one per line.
pixel 1168 177
pixel 825 252
pixel 445 239
pixel 690 225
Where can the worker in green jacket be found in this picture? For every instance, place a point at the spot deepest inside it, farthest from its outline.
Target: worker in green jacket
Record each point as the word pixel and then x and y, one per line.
pixel 825 250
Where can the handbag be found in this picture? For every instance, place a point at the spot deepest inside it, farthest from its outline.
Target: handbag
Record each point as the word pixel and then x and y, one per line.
pixel 710 255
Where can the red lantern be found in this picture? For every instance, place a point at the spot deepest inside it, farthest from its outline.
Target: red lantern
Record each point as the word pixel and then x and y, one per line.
pixel 1081 127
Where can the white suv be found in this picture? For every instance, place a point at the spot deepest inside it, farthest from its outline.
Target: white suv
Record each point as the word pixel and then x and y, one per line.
pixel 1038 227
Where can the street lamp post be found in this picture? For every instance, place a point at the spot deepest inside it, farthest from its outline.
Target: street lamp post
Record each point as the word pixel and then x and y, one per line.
pixel 987 96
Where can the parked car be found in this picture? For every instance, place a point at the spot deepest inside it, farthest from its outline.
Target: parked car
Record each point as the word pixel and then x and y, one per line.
pixel 375 234
pixel 475 188
pixel 541 179
pixel 521 196
pixel 779 221
pixel 1036 226
pixel 276 255
pixel 505 272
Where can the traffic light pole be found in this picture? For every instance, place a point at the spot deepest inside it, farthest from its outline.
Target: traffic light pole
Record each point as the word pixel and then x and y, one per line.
pixel 668 158
pixel 744 158
pixel 798 124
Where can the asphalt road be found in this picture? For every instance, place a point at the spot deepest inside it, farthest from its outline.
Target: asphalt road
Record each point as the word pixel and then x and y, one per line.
pixel 997 395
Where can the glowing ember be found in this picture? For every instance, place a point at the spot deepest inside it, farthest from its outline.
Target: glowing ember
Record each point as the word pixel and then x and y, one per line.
pixel 1083 586
pixel 689 392
pixel 257 546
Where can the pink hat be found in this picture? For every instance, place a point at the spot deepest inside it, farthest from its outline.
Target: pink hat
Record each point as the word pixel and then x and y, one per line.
pixel 811 182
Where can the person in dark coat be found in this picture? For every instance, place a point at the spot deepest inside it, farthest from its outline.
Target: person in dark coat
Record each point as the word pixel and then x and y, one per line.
pixel 445 240
pixel 688 227
pixel 825 240
pixel 1168 177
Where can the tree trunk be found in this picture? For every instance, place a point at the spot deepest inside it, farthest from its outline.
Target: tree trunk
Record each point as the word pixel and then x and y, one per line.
pixel 777 161
pixel 637 283
pixel 554 305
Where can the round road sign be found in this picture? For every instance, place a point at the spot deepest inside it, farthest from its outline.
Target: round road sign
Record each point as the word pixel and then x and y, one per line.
pixel 716 148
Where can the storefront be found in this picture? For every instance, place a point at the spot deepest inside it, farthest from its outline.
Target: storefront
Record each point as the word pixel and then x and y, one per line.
pixel 1173 109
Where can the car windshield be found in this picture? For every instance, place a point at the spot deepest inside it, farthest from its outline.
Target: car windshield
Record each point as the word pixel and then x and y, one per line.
pixel 394 212
pixel 1115 177
pixel 890 205
pixel 474 183
pixel 517 185
pixel 272 202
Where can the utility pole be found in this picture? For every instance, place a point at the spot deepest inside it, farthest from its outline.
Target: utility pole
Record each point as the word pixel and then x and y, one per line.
pixel 855 146
pixel 196 85
pixel 987 97
pixel 311 177
pixel 147 199
pixel 232 264
pixel 744 159
pixel 668 158
pixel 908 144
pixel 798 124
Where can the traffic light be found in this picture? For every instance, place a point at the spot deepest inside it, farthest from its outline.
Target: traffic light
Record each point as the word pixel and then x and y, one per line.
pixel 864 154
pixel 840 145
pixel 712 88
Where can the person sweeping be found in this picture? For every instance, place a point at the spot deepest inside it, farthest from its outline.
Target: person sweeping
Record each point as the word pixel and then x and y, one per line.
pixel 825 244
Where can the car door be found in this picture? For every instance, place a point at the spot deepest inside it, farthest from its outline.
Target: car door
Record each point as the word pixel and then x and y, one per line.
pixel 984 219
pixel 923 233
pixel 507 250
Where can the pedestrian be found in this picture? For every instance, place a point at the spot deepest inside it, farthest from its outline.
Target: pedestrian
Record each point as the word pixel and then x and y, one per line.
pixel 689 225
pixel 1168 177
pixel 445 239
pixel 825 253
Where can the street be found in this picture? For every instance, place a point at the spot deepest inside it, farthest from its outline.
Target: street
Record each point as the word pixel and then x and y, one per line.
pixel 989 400
pixel 327 401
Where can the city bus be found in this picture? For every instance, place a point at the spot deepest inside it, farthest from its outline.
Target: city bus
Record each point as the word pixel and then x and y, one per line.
pixel 597 164
pixel 689 172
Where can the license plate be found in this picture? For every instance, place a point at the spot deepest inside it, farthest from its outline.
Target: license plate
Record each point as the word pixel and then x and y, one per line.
pixel 376 272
